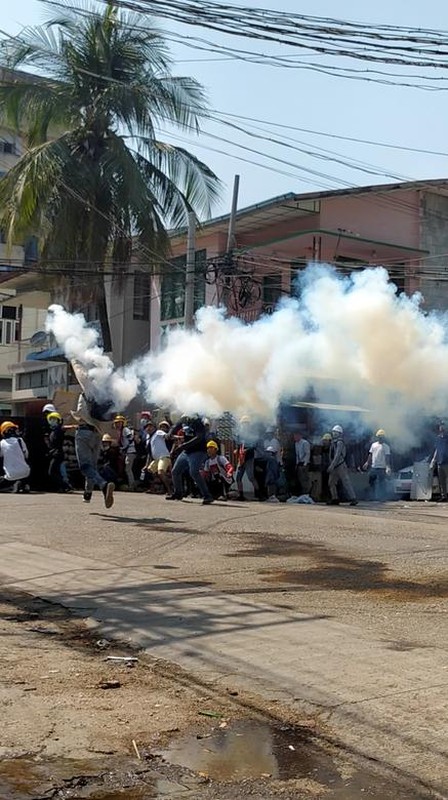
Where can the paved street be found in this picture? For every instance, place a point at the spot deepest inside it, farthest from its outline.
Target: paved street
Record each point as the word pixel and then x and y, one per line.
pixel 340 612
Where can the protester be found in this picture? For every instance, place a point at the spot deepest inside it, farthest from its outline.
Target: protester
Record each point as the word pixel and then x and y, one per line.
pixel 218 472
pixel 88 440
pixel 325 447
pixel 379 464
pixel 303 457
pixel 57 470
pixel 126 445
pixel 270 440
pixel 190 457
pixel 245 453
pixel 440 459
pixel 108 460
pixel 14 453
pixel 158 456
pixel 338 470
pixel 273 471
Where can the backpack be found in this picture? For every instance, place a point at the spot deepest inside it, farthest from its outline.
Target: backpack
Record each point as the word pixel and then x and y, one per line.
pixel 101 411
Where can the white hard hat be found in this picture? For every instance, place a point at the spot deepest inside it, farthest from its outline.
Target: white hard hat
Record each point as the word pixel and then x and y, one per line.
pixel 49 408
pixel 337 429
pixel 271 450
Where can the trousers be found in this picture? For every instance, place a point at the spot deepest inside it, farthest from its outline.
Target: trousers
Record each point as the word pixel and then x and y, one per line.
pixel 87 446
pixel 192 463
pixel 341 474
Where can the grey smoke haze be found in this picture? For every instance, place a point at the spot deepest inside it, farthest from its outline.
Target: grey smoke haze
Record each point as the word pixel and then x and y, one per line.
pixel 376 349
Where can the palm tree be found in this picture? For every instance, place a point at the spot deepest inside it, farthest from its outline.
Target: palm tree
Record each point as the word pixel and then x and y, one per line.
pixel 93 176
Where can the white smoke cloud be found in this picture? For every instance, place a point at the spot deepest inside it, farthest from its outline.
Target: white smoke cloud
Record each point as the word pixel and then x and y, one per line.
pixel 79 341
pixel 374 348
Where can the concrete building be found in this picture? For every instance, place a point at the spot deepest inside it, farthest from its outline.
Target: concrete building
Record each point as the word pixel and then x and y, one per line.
pixel 403 227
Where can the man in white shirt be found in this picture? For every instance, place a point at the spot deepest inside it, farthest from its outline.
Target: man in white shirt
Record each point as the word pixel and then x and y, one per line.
pixel 14 453
pixel 303 457
pixel 159 459
pixel 379 463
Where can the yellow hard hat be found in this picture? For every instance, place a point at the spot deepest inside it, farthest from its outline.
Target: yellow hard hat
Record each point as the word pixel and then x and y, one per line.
pixel 120 418
pixel 6 426
pixel 245 419
pixel 380 432
pixel 326 437
pixel 211 443
pixel 54 415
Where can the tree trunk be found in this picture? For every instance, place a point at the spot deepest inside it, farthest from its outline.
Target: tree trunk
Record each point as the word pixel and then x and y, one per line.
pixel 103 315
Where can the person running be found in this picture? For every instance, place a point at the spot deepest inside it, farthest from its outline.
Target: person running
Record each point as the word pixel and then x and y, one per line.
pixel 88 441
pixel 14 453
pixel 159 459
pixel 191 455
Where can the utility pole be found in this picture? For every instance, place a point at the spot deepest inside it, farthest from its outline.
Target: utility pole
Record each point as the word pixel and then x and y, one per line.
pixel 190 271
pixel 231 233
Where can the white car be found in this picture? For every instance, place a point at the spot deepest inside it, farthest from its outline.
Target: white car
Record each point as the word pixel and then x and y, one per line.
pixel 403 482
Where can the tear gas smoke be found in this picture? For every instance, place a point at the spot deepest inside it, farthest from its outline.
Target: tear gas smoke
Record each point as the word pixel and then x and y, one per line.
pixel 374 348
pixel 79 340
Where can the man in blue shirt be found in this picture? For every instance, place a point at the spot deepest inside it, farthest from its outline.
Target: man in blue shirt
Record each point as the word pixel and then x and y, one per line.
pixel 440 458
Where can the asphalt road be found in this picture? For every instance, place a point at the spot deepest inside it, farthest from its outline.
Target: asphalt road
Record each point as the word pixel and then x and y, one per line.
pixel 341 612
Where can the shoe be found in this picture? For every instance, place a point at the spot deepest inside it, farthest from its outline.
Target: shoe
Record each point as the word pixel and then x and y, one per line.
pixel 16 488
pixel 273 500
pixel 87 496
pixel 26 489
pixel 223 498
pixel 207 501
pixel 108 492
pixel 173 496
pixel 353 503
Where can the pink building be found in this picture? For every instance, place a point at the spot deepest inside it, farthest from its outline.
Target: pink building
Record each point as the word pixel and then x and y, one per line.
pixel 403 227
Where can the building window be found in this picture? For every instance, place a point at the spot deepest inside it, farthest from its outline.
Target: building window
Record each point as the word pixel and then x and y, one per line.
pixel 32 380
pixel 271 290
pixel 142 296
pixel 172 305
pixel 8 147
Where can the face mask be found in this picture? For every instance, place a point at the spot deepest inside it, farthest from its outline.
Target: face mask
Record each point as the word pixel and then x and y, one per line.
pixel 53 423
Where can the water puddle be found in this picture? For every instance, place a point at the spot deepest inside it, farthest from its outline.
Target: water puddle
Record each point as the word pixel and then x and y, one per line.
pixel 65 779
pixel 248 749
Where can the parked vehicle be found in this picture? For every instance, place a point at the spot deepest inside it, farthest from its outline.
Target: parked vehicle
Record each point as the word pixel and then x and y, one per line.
pixel 402 484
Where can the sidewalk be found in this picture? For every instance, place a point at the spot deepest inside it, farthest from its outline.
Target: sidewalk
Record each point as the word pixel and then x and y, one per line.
pixel 388 705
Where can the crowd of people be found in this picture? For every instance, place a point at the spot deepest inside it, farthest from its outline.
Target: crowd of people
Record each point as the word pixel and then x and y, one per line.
pixel 186 458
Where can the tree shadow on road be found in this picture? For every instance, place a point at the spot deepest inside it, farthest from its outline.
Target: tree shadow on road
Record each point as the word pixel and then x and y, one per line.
pixel 337 571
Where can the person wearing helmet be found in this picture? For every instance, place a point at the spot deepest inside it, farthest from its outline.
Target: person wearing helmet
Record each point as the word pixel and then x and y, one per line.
pixel 338 470
pixel 108 465
pixel 158 460
pixel 128 451
pixel 57 470
pixel 440 460
pixel 217 471
pixel 14 453
pixel 379 464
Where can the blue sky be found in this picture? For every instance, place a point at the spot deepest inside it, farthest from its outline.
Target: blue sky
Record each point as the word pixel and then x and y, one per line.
pixel 395 115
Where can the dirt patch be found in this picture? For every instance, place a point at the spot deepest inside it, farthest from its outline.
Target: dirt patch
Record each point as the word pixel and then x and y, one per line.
pixel 76 724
